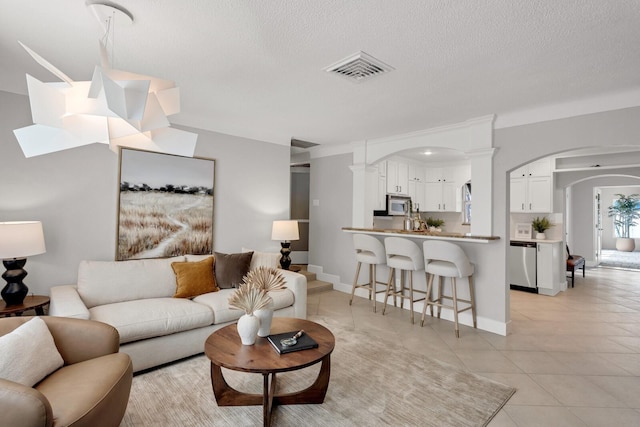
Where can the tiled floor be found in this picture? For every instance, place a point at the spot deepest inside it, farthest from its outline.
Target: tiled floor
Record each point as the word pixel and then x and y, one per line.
pixel 574 358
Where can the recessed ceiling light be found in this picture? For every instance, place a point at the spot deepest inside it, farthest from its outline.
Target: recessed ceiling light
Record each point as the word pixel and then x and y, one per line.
pixel 427 153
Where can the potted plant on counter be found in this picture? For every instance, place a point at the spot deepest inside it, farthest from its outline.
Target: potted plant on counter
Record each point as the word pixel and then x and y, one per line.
pixel 625 212
pixel 540 224
pixel 434 224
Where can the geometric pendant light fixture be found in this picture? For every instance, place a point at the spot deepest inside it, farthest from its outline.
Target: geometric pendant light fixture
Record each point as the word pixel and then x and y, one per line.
pixel 116 107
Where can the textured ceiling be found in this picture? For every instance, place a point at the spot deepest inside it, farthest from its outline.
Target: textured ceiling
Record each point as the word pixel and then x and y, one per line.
pixel 255 68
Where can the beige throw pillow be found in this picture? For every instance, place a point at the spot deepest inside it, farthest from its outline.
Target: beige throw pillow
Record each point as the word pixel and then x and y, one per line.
pixel 264 259
pixel 29 353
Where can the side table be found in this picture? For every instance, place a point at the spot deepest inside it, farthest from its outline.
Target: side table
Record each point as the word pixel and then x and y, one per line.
pixel 32 302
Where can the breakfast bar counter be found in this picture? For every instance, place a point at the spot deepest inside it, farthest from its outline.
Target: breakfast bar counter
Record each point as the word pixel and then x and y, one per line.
pixel 435 235
pixel 485 283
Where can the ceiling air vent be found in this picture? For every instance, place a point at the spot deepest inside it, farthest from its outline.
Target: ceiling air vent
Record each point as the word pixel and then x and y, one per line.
pixel 359 67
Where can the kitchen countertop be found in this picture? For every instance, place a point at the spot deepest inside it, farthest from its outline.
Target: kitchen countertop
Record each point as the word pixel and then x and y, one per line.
pixel 436 235
pixel 537 240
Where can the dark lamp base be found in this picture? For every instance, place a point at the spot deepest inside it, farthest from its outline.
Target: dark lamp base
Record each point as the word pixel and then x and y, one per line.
pixel 15 291
pixel 285 261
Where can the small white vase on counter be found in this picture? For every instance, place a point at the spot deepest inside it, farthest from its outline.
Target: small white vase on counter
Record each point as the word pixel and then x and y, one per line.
pixel 540 236
pixel 248 326
pixel 265 315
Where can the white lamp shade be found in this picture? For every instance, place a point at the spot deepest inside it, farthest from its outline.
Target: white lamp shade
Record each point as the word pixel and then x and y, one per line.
pixel 20 239
pixel 285 230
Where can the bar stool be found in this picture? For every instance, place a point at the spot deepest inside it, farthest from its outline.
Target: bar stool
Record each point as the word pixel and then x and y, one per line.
pixel 369 250
pixel 406 256
pixel 445 259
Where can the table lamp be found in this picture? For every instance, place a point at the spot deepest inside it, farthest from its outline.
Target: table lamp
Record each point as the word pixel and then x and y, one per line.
pixel 285 231
pixel 18 240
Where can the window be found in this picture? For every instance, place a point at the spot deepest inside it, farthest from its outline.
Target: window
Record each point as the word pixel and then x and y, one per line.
pixel 466 202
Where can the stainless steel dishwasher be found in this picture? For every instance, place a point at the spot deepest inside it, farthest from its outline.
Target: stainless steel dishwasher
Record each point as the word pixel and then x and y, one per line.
pixel 522 266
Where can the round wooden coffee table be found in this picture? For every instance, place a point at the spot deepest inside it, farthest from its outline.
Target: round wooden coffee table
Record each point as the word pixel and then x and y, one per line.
pixel 225 350
pixel 31 302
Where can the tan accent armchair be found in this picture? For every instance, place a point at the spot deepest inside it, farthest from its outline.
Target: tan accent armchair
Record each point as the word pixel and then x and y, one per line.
pixel 91 389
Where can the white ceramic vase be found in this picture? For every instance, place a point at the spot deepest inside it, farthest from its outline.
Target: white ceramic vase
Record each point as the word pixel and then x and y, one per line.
pixel 248 326
pixel 266 316
pixel 540 236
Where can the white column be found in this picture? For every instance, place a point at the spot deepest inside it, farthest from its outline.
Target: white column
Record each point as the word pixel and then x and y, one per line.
pixel 481 191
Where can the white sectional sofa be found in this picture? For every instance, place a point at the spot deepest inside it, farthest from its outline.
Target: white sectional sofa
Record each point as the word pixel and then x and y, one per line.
pixel 136 297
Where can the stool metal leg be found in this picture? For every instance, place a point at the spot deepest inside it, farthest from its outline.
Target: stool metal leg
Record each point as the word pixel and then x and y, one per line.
pixel 386 294
pixel 411 296
pixel 427 300
pixel 373 287
pixel 440 294
pixel 355 282
pixel 472 298
pixel 454 295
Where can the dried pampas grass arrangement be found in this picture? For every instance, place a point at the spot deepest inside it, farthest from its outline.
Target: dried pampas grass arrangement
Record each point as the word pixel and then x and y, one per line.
pixel 265 278
pixel 249 299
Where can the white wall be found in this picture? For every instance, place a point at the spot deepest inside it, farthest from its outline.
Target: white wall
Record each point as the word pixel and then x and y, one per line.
pixel 330 186
pixel 74 194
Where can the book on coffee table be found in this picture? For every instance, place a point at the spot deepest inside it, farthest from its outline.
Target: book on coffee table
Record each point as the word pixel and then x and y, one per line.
pixel 305 342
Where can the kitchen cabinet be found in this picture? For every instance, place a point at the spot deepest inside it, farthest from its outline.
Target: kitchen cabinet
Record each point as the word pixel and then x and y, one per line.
pixel 442 188
pixel 549 267
pixel 416 173
pixel 440 174
pixel 442 197
pixel 532 188
pixel 397 177
pixel 417 193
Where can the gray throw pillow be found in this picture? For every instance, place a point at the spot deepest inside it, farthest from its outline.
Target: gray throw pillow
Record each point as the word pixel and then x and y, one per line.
pixel 231 268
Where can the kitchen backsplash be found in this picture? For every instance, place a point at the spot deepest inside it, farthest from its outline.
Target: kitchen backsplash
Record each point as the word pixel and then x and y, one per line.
pixel 554 233
pixel 452 221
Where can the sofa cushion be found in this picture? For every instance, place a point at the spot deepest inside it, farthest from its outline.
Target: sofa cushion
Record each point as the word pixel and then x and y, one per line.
pixel 107 282
pixel 222 313
pixel 264 259
pixel 231 268
pixel 194 278
pixel 147 318
pixel 29 353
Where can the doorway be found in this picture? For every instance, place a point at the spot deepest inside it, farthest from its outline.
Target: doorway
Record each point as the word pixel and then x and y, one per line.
pixel 299 202
pixel 605 236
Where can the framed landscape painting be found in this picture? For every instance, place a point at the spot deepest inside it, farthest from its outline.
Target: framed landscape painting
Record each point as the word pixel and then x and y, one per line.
pixel 165 205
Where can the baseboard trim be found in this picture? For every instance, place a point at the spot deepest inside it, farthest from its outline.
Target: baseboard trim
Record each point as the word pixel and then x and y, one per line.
pixel 485 324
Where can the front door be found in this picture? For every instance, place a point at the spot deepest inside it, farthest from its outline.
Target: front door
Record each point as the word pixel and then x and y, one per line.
pixel 598 226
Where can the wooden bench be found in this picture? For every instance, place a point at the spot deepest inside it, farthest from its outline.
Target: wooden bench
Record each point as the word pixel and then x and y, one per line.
pixel 574 262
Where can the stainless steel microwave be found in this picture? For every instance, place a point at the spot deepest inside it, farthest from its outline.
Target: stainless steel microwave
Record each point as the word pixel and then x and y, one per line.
pixel 397 205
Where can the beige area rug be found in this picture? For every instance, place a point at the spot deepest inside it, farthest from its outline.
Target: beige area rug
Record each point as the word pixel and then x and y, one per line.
pixel 372 383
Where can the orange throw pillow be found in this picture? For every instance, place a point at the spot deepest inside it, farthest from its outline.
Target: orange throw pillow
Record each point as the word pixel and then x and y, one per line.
pixel 194 278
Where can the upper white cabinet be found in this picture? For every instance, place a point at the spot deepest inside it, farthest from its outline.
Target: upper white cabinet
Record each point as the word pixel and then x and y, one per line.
pixel 440 174
pixel 397 177
pixel 417 193
pixel 442 197
pixel 532 188
pixel 442 188
pixel 416 173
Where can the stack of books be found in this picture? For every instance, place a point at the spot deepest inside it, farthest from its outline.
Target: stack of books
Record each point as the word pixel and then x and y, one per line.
pixel 304 342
